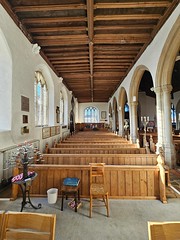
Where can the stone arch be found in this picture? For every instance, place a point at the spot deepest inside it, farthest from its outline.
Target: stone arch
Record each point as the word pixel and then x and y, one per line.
pixel 47 75
pixel 163 88
pixel 6 84
pixel 115 114
pixel 168 56
pixel 110 109
pixel 122 99
pixel 135 82
pixel 134 100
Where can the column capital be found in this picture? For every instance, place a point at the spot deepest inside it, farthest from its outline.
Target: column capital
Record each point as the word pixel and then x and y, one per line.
pixel 157 89
pixel 134 103
pixel 167 88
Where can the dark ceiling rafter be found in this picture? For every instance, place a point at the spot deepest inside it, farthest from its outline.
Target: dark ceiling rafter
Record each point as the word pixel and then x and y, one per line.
pixel 91 44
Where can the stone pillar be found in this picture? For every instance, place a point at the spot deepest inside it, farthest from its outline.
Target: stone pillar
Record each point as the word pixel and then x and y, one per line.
pixel 133 122
pixel 168 143
pixel 121 122
pixel 159 116
pixel 113 121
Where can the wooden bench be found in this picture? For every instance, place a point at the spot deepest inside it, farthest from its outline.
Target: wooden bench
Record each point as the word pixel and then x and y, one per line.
pixel 97 151
pixel 123 182
pixel 109 159
pixel 95 145
pixel 86 140
pixel 1 222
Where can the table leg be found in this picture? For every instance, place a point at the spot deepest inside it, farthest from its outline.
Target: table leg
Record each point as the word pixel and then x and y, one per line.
pixel 25 195
pixel 62 201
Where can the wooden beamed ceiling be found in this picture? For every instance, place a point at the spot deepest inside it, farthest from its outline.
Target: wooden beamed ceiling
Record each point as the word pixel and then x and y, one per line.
pixel 91 44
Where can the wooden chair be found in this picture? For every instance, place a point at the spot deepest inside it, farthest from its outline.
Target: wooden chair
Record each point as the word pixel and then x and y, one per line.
pixel 164 230
pixel 97 187
pixel 29 226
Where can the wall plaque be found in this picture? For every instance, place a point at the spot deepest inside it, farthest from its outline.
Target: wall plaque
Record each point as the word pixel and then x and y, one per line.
pixel 57 130
pixel 103 114
pixel 53 131
pixel 25 118
pixel 24 104
pixel 46 133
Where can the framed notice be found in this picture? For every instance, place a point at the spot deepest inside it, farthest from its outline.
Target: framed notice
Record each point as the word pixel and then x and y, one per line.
pixel 103 115
pixel 46 133
pixel 53 131
pixel 57 130
pixel 24 104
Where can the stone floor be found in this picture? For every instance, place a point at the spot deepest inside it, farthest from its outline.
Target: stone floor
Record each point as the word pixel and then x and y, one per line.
pixel 128 218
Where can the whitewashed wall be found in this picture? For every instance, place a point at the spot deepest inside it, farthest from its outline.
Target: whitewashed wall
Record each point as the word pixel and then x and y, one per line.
pixel 24 64
pixel 100 106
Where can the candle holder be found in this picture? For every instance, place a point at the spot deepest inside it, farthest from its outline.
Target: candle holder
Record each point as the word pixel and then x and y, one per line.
pixel 24 155
pixel 145 121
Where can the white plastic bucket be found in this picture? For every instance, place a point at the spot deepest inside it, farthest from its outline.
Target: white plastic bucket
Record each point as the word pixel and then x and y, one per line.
pixel 52 194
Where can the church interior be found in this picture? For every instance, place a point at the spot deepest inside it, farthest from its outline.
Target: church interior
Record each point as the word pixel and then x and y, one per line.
pixel 90 119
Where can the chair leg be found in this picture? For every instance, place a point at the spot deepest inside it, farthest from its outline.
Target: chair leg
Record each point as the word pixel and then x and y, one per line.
pixel 75 200
pixel 107 204
pixel 90 207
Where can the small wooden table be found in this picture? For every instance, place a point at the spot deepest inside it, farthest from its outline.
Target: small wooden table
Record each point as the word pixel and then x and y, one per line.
pixel 25 185
pixel 72 190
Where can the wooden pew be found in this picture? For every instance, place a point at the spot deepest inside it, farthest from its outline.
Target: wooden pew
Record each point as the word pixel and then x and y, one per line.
pixel 96 151
pixel 95 145
pixel 1 222
pixel 123 182
pixel 92 140
pixel 109 159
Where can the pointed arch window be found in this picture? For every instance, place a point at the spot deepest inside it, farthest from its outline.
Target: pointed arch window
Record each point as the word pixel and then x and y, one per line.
pixel 91 115
pixel 61 108
pixel 41 100
pixel 173 115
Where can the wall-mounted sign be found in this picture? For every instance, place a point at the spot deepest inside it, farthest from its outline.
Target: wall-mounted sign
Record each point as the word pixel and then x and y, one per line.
pixel 25 118
pixel 53 131
pixel 57 130
pixel 24 104
pixel 103 114
pixel 46 132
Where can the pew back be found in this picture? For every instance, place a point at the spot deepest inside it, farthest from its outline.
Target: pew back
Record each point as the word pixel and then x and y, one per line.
pixel 109 159
pixel 131 182
pixel 97 151
pixel 96 145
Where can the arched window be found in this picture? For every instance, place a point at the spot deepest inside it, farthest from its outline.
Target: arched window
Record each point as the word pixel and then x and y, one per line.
pixel 61 108
pixel 173 115
pixel 91 115
pixel 126 110
pixel 41 100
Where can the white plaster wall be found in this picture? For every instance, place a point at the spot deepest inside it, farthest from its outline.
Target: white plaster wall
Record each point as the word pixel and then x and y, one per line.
pixel 24 64
pixel 100 106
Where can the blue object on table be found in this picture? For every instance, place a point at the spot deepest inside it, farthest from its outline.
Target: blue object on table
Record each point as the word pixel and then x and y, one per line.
pixel 71 182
